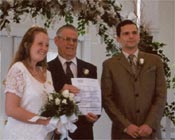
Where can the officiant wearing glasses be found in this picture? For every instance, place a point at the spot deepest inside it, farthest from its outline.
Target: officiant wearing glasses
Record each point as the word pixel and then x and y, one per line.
pixel 66 66
pixel 133 88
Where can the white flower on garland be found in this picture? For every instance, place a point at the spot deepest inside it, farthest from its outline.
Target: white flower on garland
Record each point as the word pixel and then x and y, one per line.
pixel 83 1
pixel 11 2
pixel 1 12
pixel 104 14
pixel 51 9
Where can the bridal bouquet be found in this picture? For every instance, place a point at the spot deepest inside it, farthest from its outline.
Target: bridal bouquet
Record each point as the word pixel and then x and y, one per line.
pixel 64 109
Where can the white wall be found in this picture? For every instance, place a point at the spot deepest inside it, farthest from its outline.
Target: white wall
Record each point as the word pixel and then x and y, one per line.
pixel 167 35
pixel 6 54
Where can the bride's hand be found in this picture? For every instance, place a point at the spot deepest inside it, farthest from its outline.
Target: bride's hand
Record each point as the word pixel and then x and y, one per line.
pixel 52 125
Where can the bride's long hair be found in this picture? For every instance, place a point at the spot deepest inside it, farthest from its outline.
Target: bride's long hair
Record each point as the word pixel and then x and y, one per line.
pixel 23 52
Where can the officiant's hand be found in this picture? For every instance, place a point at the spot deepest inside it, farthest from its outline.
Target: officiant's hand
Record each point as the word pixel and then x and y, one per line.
pixel 91 117
pixel 133 130
pixel 145 130
pixel 71 89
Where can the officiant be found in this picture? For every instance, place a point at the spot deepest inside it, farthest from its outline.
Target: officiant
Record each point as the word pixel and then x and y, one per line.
pixel 66 66
pixel 133 88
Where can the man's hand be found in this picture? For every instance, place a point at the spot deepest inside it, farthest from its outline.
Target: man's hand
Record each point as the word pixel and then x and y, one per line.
pixel 71 89
pixel 133 130
pixel 145 130
pixel 91 117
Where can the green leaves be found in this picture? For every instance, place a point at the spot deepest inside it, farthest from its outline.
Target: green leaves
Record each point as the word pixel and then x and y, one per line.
pixel 170 111
pixel 69 18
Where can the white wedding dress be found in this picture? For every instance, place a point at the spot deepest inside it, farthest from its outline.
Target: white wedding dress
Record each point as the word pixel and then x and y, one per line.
pixel 33 96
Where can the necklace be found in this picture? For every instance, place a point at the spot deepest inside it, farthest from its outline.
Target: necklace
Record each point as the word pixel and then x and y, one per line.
pixel 38 74
pixel 34 72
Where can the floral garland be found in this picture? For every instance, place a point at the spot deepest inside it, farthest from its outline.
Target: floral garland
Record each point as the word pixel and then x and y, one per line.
pixel 102 13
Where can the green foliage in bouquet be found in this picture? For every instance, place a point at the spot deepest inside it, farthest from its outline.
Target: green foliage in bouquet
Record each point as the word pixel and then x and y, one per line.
pixel 60 104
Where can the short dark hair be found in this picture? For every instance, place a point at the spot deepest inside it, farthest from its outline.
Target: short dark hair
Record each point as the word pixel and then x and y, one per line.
pixel 123 23
pixel 66 26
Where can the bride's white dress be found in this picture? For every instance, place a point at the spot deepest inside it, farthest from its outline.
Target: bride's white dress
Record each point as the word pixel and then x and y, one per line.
pixel 33 96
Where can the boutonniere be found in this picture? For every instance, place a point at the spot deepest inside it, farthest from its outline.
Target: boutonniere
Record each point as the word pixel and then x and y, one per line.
pixel 85 71
pixel 141 61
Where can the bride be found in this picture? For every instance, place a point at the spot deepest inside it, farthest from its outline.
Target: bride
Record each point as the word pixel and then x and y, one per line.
pixel 27 85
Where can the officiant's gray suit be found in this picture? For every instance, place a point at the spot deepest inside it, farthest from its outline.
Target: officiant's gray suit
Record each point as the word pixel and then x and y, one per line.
pixel 133 100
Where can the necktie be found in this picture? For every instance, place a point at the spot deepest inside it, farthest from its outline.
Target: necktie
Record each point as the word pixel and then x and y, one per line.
pixel 69 73
pixel 132 58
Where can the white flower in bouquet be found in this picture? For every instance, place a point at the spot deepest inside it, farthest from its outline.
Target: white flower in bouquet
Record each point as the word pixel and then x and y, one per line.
pixel 57 101
pixel 50 97
pixel 71 96
pixel 62 107
pixel 64 101
pixel 66 93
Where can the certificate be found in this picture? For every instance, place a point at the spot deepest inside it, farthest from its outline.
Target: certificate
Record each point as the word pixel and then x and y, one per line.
pixel 89 97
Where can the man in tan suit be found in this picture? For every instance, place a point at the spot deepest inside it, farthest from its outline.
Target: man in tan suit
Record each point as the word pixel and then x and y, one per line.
pixel 133 91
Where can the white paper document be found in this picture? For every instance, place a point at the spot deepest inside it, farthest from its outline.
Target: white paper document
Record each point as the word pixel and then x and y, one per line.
pixel 89 97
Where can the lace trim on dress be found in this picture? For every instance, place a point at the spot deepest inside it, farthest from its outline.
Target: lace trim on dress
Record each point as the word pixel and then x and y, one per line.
pixel 15 82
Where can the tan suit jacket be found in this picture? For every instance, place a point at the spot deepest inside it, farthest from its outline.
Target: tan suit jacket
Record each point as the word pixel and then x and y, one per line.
pixel 128 100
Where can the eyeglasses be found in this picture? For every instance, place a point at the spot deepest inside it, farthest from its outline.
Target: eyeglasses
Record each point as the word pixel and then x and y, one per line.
pixel 68 39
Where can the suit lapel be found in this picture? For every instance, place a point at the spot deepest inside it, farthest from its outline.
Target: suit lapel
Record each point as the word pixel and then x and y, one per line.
pixel 124 62
pixel 60 67
pixel 79 68
pixel 139 65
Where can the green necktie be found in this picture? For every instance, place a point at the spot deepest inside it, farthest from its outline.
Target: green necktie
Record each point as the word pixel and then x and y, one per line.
pixel 131 58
